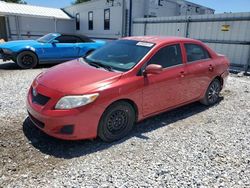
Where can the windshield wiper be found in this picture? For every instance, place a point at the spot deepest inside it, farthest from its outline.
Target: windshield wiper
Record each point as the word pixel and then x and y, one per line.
pixel 100 65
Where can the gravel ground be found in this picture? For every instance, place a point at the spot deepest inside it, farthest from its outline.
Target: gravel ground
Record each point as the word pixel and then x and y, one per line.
pixel 192 146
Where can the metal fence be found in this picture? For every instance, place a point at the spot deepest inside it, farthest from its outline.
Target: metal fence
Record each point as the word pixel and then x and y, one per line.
pixel 227 34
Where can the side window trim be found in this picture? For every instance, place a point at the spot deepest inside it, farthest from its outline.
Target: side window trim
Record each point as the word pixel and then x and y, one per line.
pixel 197 61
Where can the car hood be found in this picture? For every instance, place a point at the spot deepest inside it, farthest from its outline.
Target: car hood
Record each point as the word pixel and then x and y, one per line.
pixel 76 77
pixel 100 42
pixel 18 44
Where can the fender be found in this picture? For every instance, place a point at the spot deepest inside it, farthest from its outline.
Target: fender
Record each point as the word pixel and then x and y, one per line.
pixel 30 48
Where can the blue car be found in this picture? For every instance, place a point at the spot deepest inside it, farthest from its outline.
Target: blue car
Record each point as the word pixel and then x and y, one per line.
pixel 51 48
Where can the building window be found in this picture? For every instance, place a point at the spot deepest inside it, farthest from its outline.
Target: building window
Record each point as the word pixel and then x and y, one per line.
pixel 197 9
pixel 91 25
pixel 159 3
pixel 106 19
pixel 77 21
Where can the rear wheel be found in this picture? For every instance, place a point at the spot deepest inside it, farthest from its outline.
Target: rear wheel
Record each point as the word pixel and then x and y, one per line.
pixel 27 60
pixel 212 94
pixel 116 122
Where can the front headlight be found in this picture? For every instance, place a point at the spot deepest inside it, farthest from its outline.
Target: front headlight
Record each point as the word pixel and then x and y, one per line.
pixel 7 51
pixel 70 102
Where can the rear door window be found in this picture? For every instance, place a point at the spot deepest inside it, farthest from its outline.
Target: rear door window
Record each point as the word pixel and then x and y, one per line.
pixel 196 52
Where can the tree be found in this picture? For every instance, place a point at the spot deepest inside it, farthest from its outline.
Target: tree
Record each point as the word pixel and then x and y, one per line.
pixel 79 1
pixel 15 1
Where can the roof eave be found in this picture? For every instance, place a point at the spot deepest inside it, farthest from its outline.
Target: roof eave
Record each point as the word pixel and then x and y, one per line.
pixel 34 16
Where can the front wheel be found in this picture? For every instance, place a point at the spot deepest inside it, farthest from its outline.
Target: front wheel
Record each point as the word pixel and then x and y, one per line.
pixel 27 60
pixel 116 122
pixel 213 93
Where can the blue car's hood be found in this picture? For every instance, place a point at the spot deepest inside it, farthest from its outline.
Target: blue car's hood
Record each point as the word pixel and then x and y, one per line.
pixel 16 45
pixel 102 42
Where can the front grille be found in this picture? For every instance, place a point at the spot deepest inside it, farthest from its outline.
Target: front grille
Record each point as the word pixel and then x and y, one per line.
pixel 36 121
pixel 40 99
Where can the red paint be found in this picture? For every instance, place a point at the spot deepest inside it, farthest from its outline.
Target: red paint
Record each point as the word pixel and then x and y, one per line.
pixel 151 94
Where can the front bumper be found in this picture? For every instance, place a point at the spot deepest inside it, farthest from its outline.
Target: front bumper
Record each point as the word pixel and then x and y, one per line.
pixel 75 124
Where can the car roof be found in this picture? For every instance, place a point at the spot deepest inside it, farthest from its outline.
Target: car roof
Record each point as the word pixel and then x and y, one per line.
pixel 83 37
pixel 160 39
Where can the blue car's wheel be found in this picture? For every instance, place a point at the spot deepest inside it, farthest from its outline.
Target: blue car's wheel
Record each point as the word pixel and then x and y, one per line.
pixel 27 60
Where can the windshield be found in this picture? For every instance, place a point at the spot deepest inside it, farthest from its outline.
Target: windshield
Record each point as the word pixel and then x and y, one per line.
pixel 47 38
pixel 120 55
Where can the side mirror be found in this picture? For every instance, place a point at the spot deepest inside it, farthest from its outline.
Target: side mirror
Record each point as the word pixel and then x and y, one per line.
pixel 54 41
pixel 153 69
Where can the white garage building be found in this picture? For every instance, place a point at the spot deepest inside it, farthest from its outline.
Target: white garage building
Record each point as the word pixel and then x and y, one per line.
pixel 106 19
pixel 113 18
pixel 18 21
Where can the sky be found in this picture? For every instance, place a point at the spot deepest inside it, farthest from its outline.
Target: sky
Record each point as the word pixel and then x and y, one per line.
pixel 219 5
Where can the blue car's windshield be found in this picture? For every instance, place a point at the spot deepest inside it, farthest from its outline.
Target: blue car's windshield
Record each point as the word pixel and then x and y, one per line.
pixel 121 55
pixel 47 38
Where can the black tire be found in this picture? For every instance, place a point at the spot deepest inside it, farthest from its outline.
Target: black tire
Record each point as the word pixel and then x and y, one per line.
pixel 27 60
pixel 213 93
pixel 116 122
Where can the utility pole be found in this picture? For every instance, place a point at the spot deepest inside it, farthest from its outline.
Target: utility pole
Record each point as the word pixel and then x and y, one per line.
pixel 130 17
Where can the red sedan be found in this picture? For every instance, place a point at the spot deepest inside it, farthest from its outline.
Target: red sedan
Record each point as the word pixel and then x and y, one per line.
pixel 126 81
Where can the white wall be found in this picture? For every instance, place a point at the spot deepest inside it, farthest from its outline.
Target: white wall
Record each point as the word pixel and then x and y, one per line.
pixel 234 42
pixel 119 21
pixel 193 9
pixel 98 7
pixel 66 26
pixel 33 27
pixel 168 8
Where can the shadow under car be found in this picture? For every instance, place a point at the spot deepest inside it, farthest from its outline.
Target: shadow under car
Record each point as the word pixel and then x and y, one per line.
pixel 71 149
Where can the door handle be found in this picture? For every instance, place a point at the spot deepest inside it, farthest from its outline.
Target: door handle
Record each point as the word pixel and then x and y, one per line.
pixel 182 73
pixel 211 68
